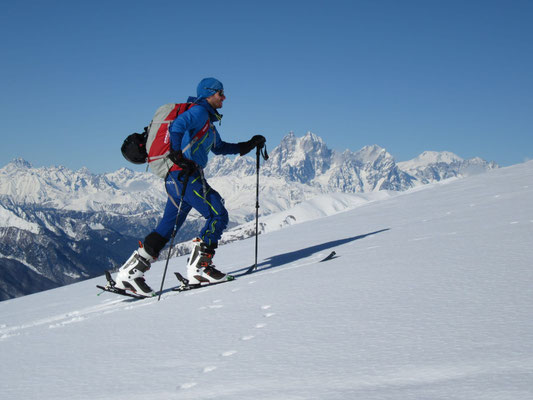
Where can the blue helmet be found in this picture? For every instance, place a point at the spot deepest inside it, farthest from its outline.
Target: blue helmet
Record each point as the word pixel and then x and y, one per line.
pixel 208 87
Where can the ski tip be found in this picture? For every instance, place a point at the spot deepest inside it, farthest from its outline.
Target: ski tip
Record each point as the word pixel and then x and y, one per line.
pixel 331 256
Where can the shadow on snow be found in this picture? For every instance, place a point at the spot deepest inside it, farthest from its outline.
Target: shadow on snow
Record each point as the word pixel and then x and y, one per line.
pixel 287 258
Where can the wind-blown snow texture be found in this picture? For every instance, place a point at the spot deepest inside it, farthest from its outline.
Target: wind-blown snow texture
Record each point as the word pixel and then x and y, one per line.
pixel 429 298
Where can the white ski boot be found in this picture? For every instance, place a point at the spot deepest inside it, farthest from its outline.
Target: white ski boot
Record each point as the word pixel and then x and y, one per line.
pixel 131 275
pixel 200 268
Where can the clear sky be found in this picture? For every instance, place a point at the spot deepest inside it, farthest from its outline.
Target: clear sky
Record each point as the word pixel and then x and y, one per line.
pixel 78 76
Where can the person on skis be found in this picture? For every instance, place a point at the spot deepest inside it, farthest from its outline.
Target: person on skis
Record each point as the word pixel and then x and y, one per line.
pixel 192 136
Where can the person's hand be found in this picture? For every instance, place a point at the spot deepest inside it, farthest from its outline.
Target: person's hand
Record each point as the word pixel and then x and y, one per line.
pixel 256 141
pixel 188 167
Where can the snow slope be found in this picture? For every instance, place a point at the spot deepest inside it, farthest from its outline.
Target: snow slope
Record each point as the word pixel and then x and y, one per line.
pixel 429 298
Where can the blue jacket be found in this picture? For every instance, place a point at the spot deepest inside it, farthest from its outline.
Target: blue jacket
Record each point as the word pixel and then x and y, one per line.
pixel 194 133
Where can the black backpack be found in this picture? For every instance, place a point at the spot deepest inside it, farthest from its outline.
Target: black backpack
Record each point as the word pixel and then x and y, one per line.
pixel 134 147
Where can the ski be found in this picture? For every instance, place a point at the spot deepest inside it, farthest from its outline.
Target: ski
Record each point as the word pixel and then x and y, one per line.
pixel 110 288
pixel 331 256
pixel 185 285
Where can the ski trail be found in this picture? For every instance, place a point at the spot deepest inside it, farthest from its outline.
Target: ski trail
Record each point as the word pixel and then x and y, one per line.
pixel 71 317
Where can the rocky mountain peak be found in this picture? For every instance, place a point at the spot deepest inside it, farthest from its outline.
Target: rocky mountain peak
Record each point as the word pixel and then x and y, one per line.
pixel 17 164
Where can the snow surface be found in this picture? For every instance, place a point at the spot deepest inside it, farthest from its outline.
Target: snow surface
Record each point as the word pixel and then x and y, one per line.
pixel 430 297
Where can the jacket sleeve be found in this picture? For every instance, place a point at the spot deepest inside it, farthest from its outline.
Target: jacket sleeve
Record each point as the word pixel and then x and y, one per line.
pixel 222 147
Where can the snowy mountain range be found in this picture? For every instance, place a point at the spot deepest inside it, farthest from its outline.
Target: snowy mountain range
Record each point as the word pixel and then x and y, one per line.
pixel 429 297
pixel 59 226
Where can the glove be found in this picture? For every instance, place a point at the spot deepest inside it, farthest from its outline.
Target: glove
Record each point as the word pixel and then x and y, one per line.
pixel 256 141
pixel 188 167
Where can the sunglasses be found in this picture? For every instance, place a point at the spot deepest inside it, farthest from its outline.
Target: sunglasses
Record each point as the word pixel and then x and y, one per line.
pixel 219 91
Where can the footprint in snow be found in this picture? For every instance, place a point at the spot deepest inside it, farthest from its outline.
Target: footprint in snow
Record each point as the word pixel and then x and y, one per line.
pixel 8 335
pixel 267 307
pixel 216 304
pixel 188 385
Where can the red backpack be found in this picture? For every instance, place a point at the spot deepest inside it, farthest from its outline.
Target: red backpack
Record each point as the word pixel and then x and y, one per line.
pixel 153 146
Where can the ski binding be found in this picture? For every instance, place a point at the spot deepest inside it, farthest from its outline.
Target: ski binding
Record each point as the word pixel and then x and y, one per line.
pixel 110 287
pixel 185 285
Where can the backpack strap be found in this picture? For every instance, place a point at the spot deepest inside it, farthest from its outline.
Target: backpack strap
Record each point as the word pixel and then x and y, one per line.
pixel 200 134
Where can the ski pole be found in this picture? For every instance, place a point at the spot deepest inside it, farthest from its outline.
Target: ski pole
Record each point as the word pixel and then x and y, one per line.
pixel 173 235
pixel 261 150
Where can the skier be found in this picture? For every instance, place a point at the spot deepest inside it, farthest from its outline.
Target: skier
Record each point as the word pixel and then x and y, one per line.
pixel 193 126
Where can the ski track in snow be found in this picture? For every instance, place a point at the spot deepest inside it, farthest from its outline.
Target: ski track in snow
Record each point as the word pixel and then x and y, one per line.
pixel 107 306
pixel 65 319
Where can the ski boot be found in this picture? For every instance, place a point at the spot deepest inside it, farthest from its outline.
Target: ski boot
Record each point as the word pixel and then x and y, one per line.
pixel 131 275
pixel 200 268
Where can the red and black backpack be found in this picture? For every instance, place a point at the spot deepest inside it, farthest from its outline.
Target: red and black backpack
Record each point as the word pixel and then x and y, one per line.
pixel 153 145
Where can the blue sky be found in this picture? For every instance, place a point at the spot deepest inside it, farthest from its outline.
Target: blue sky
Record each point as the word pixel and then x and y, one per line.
pixel 410 76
